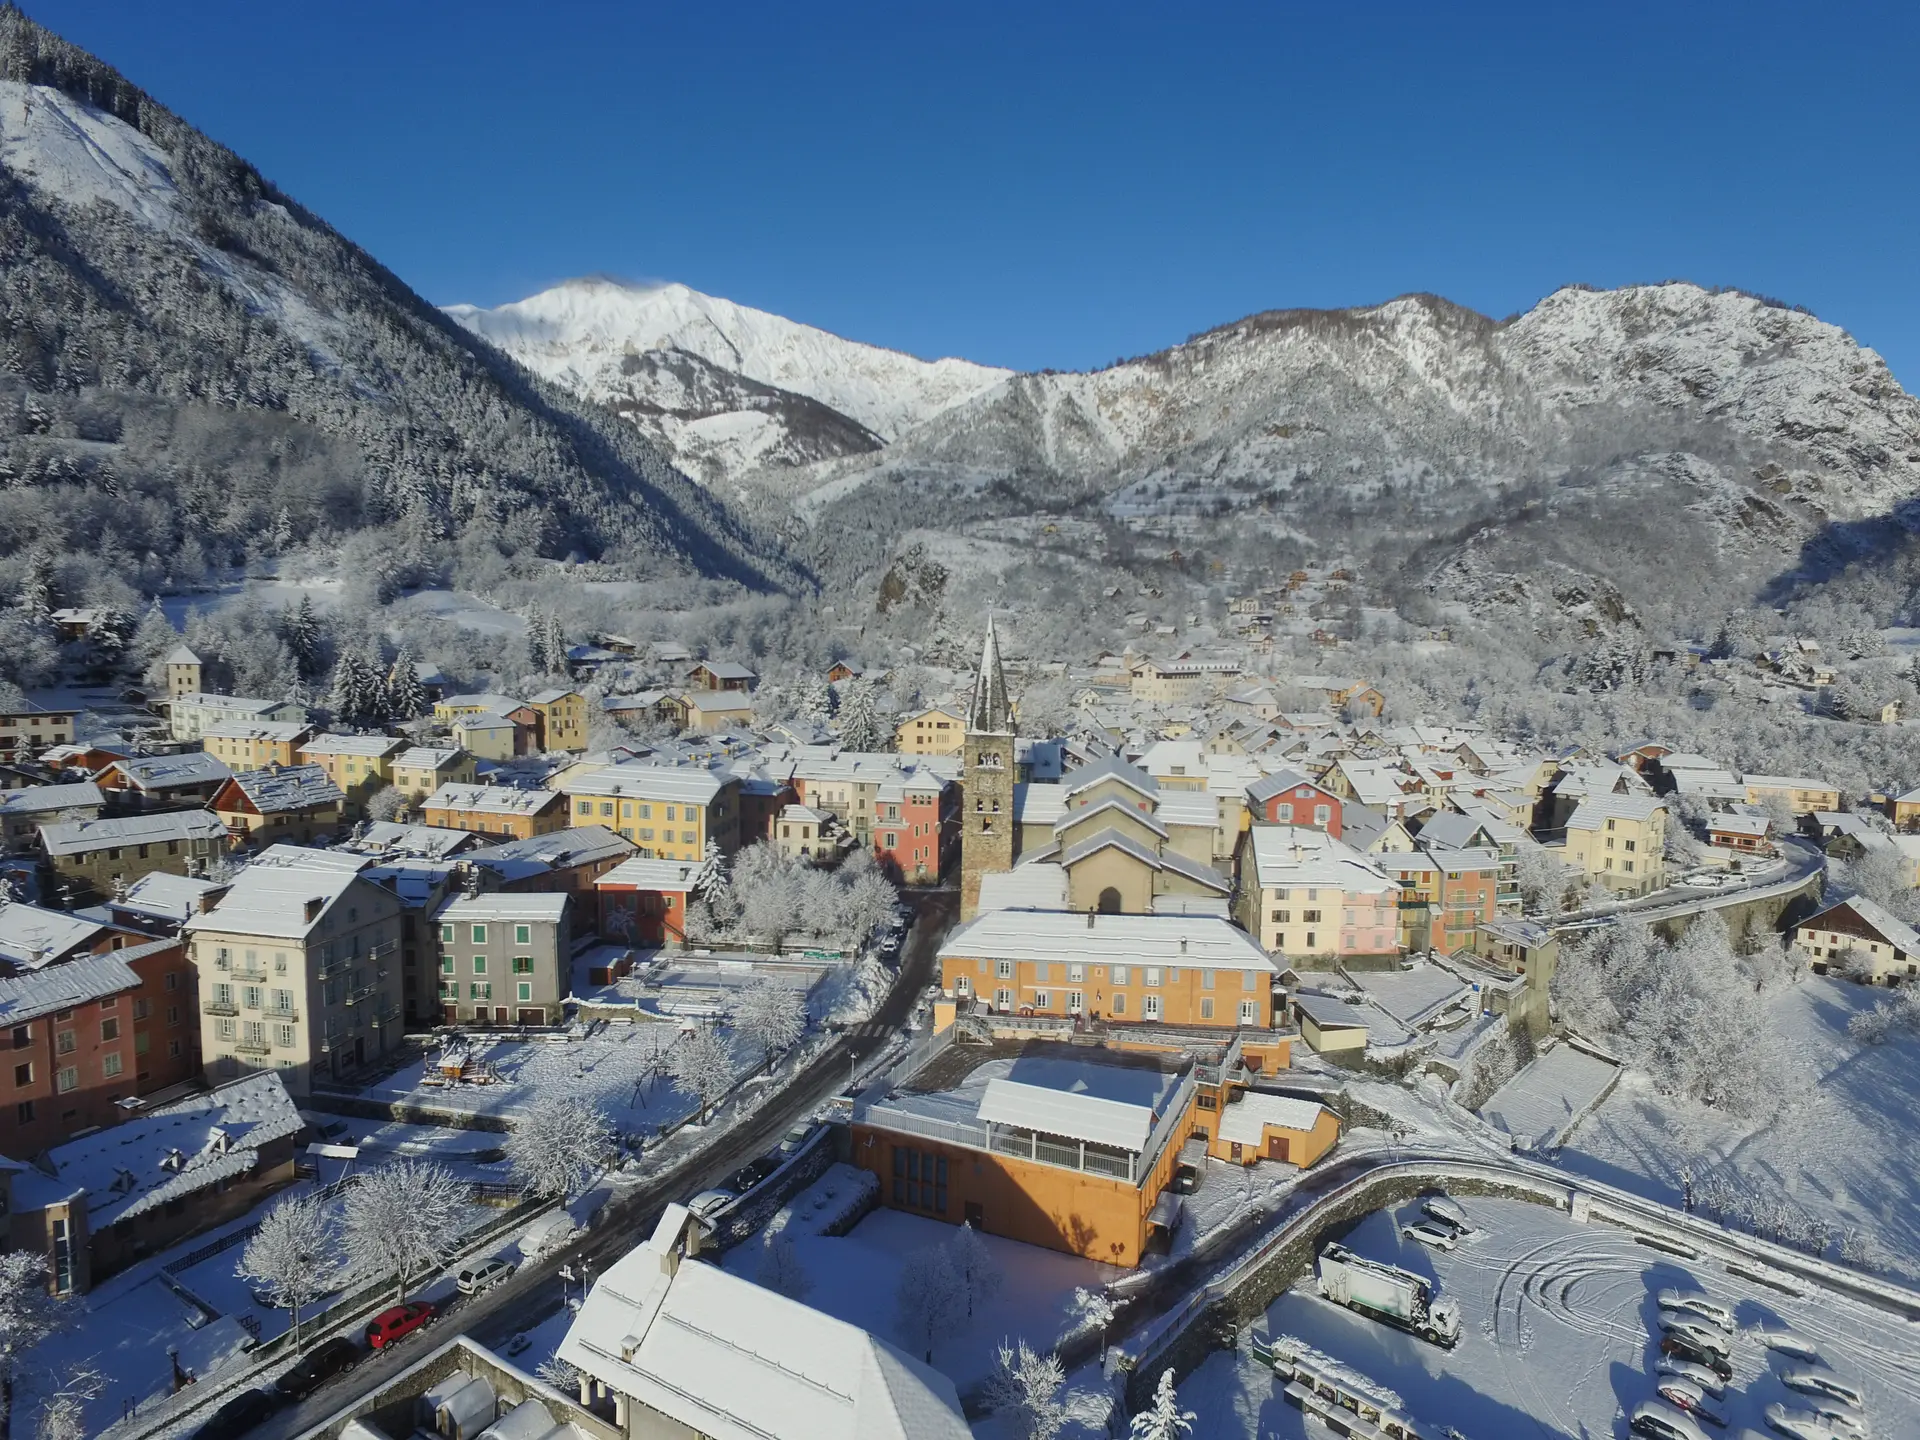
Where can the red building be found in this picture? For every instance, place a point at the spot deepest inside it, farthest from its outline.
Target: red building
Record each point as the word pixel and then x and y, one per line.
pixel 916 827
pixel 70 1055
pixel 166 1032
pixel 1290 798
pixel 644 901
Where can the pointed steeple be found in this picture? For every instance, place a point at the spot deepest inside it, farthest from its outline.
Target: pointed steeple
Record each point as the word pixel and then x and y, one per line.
pixel 990 713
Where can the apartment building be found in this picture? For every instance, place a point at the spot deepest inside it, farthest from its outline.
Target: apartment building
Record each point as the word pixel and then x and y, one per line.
pixel 91 859
pixel 504 958
pixel 489 735
pixel 562 720
pixel 938 731
pixel 294 803
pixel 1315 899
pixel 70 1060
pixel 1445 896
pixel 1799 794
pixel 1620 840
pixel 162 781
pixel 670 812
pixel 916 827
pixel 1290 798
pixel 420 770
pixel 24 733
pixel 644 902
pixel 357 764
pixel 298 968
pixel 495 810
pixel 256 744
pixel 191 715
pixel 24 811
pixel 1148 969
pixel 1861 936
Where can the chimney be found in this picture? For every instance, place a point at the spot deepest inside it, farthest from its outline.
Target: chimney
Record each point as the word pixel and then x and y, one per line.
pixel 314 907
pixel 1183 944
pixel 1089 919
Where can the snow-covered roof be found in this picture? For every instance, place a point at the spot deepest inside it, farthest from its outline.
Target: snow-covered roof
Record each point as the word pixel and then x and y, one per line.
pixel 427 842
pixel 275 730
pixel 484 720
pixel 638 780
pixel 1326 1011
pixel 1195 808
pixel 237 704
pixel 1756 826
pixel 31 936
pixel 181 655
pixel 1882 921
pixel 166 772
pixel 1286 856
pixel 331 744
pixel 733 1361
pixel 1113 803
pixel 549 697
pixel 426 757
pixel 51 799
pixel 1025 887
pixel 1595 810
pixel 643 873
pixel 284 788
pixel 77 837
pixel 129 1170
pixel 271 895
pixel 1244 1121
pixel 490 799
pixel 504 905
pixel 537 854
pixel 1039 804
pixel 30 995
pixel 1172 940
pixel 1079 1100
pixel 725 669
pixel 166 896
pixel 1110 767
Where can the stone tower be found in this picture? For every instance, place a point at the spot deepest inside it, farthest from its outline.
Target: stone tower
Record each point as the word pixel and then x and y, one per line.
pixel 989 833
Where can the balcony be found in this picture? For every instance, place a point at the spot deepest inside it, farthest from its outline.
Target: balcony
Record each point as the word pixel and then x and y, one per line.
pixel 255 974
pixel 286 1017
pixel 361 995
pixel 219 1007
pixel 252 1047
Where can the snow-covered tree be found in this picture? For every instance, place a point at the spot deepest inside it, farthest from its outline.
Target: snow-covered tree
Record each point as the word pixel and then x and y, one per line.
pixel 406 696
pixel 358 694
pixel 63 1414
pixel 1025 1387
pixel 292 1255
pixel 702 1066
pixel 300 629
pixel 401 1220
pixel 1092 1307
pixel 974 1268
pixel 859 723
pixel 386 803
pixel 780 1268
pixel 813 699
pixel 771 1015
pixel 555 644
pixel 928 1302
pixel 558 1144
pixel 1165 1420
pixel 28 1315
pixel 1547 884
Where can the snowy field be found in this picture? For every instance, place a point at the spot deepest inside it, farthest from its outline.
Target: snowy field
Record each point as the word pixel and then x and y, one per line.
pixel 1554 1339
pixel 855 1278
pixel 1549 1094
pixel 611 1068
pixel 1840 1145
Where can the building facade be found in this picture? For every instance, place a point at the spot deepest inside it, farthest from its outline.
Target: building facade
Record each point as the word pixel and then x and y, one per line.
pixel 504 958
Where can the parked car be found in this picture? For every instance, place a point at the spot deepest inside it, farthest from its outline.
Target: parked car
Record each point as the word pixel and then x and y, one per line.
pixel 1186 1179
pixel 751 1174
pixel 1700 1375
pixel 1428 1233
pixel 482 1275
pixel 317 1366
pixel 1840 1417
pixel 1660 1421
pixel 1686 1350
pixel 1687 1397
pixel 547 1232
pixel 1820 1382
pixel 1799 1424
pixel 399 1321
pixel 796 1138
pixel 1442 1211
pixel 1696 1331
pixel 707 1202
pixel 1698 1302
pixel 239 1415
pixel 1778 1337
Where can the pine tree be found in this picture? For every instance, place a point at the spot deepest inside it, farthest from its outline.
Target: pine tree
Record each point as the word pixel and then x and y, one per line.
pixel 554 643
pixel 537 640
pixel 859 719
pixel 300 628
pixel 355 689
pixel 406 696
pixel 814 700
pixel 281 539
pixel 36 585
pixel 1165 1420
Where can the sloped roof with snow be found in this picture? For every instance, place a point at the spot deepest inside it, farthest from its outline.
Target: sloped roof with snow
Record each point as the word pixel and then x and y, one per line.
pixel 641 873
pixel 31 936
pixel 50 799
pixel 733 1361
pixel 1172 940
pixel 1025 887
pixel 575 845
pixel 164 772
pixel 1244 1122
pixel 269 896
pixel 78 837
pixel 30 995
pixel 288 788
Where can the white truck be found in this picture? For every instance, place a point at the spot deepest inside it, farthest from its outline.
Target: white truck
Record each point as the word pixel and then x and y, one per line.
pixel 1388 1294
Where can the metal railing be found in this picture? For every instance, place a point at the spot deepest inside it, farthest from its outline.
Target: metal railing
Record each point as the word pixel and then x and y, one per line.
pixel 252 1047
pixel 283 1013
pixel 219 1007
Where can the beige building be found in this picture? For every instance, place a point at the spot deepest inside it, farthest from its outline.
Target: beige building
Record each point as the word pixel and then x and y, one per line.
pixel 184 672
pixel 505 958
pixel 487 734
pixel 931 732
pixel 25 733
pixel 420 770
pixel 91 859
pixel 562 719
pixel 1801 795
pixel 298 968
pixel 256 744
pixel 803 832
pixel 192 715
pixel 1620 840
pixel 358 764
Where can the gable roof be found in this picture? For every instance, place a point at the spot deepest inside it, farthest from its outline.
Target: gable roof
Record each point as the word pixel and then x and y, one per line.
pixel 165 772
pixel 29 995
pixel 31 937
pixel 79 837
pixel 51 799
pixel 270 895
pixel 1173 940
pixel 286 788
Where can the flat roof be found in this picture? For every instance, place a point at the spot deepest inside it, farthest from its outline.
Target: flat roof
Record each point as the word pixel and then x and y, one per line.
pixel 1172 940
pixel 1244 1120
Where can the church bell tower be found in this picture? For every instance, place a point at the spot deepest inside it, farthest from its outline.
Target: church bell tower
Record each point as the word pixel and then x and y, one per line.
pixel 988 837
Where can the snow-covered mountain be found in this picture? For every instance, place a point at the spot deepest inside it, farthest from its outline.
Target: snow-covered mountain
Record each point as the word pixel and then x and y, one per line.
pixel 729 390
pixel 191 362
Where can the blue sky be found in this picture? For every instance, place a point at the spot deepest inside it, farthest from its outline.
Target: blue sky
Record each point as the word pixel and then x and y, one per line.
pixel 1063 184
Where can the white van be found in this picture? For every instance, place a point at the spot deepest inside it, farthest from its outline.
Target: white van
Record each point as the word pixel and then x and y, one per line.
pixel 1699 1303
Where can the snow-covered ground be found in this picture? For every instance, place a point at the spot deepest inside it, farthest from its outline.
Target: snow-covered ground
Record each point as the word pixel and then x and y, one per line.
pixel 856 1277
pixel 1840 1144
pixel 610 1068
pixel 1555 1337
pixel 1549 1094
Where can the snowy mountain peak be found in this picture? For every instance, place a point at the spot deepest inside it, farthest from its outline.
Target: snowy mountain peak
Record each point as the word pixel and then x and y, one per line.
pixel 584 333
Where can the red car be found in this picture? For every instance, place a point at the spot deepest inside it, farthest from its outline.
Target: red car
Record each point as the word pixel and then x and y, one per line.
pixel 389 1325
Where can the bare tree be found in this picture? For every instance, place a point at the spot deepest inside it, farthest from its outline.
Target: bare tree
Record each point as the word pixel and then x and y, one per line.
pixel 559 1144
pixel 292 1256
pixel 770 1014
pixel 702 1066
pixel 403 1219
pixel 973 1266
pixel 63 1415
pixel 928 1302
pixel 1165 1420
pixel 1025 1387
pixel 28 1315
pixel 780 1268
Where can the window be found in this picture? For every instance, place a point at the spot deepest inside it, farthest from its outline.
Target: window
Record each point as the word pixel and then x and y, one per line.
pixel 670 815
pixel 523 965
pixel 1206 979
pixel 1040 971
pixel 446 964
pixel 1150 1008
pixel 109 1031
pixel 67 1079
pixel 1206 1007
pixel 1003 969
pixel 283 1036
pixel 142 1009
pixel 251 994
pixel 111 1066
pixel 1283 917
pixel 585 807
pixel 1076 1001
pixel 173 1049
pixel 449 989
pixel 1120 1004
pixel 1120 974
pixel 1249 1012
pixel 646 813
pixel 446 934
pixel 23 1112
pixel 23 1074
pixel 523 934
pixel 64 1043
pixel 1153 975
pixel 1284 814
pixel 479 991
pixel 22 1036
pixel 606 807
pixel 1322 814
pixel 173 982
pixel 479 935
pixel 1003 1000
pixel 1042 1000
pixel 686 837
pixel 526 990
pixel 919 1179
pixel 479 964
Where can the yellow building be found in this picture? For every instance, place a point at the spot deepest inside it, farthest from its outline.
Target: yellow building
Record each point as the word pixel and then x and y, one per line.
pixel 420 770
pixel 1801 795
pixel 563 720
pixel 487 734
pixel 358 764
pixel 931 732
pixel 452 707
pixel 256 744
pixel 1620 840
pixel 670 812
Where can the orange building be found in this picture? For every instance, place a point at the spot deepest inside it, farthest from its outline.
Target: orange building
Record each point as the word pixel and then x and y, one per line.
pixel 495 810
pixel 1125 969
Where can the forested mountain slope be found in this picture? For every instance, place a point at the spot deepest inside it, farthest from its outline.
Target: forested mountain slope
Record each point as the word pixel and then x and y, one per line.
pixel 191 364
